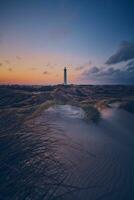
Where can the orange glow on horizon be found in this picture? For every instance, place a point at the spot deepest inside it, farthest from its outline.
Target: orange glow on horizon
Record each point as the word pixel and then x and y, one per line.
pixel 35 77
pixel 38 69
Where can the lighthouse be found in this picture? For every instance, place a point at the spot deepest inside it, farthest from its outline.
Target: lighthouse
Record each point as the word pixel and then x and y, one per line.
pixel 65 76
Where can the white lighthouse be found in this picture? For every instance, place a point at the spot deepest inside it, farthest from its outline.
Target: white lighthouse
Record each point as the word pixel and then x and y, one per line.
pixel 65 76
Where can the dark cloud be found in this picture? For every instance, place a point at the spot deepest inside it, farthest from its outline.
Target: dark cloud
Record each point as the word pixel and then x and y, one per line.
pixel 45 72
pixel 81 67
pixel 1 64
pixel 94 70
pixel 124 53
pixel 10 69
pixel 101 75
pixel 130 69
pixel 109 72
pixel 49 65
pixel 130 64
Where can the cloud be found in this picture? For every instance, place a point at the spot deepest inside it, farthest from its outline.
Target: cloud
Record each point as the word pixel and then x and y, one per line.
pixel 130 66
pixel 103 75
pixel 45 72
pixel 130 69
pixel 124 53
pixel 109 72
pixel 1 64
pixel 18 57
pixel 83 66
pixel 94 70
pixel 10 69
pixel 50 65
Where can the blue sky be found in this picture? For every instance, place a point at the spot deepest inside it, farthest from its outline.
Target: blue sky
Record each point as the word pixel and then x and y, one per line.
pixel 81 30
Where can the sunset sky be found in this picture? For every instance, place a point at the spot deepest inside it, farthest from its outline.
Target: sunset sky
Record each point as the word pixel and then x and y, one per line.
pixel 94 39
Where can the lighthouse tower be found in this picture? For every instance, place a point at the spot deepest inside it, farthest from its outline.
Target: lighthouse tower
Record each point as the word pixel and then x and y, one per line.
pixel 65 76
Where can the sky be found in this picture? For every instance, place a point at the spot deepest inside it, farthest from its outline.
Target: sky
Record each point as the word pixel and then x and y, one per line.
pixel 94 39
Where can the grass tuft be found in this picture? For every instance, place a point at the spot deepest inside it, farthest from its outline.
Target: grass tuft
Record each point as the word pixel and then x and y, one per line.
pixel 91 113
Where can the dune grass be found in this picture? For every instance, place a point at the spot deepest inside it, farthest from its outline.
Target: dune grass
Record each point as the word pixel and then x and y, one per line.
pixel 91 113
pixel 128 106
pixel 40 108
